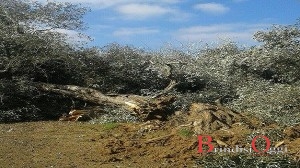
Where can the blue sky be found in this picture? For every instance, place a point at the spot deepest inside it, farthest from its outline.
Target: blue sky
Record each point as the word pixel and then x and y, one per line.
pixel 151 24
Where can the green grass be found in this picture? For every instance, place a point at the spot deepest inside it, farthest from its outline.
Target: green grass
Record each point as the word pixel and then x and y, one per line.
pixel 185 132
pixel 110 125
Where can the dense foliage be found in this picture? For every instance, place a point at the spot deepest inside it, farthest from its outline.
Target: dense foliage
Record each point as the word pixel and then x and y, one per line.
pixel 31 50
pixel 262 80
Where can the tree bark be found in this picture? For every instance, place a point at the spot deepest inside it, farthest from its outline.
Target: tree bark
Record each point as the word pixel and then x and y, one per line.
pixel 145 107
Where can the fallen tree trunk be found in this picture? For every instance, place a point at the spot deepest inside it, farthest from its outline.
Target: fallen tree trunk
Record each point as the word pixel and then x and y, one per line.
pixel 83 93
pixel 144 107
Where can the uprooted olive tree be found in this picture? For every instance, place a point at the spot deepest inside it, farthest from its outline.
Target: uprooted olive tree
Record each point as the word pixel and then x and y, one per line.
pixel 34 51
pixel 44 74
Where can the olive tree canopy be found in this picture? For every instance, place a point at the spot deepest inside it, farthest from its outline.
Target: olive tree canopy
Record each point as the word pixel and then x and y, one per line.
pixel 51 15
pixel 32 49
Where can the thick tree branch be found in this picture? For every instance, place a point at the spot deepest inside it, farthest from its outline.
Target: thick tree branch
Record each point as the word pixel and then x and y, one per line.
pixel 173 83
pixel 142 106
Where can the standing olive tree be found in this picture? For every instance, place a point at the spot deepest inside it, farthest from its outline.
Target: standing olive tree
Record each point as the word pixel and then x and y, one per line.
pixel 278 59
pixel 273 75
pixel 32 49
pixel 28 32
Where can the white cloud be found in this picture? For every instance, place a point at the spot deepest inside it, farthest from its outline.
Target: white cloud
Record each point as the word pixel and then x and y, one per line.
pixel 141 10
pixel 213 33
pixel 94 3
pixel 134 9
pixel 168 1
pixel 239 1
pixel 134 31
pixel 213 8
pixel 73 37
pixel 111 3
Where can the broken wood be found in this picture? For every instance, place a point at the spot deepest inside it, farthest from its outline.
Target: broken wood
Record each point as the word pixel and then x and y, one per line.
pixel 171 85
pixel 146 108
pixel 173 82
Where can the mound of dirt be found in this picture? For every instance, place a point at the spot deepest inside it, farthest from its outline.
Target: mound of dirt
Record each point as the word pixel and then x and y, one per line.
pixel 208 118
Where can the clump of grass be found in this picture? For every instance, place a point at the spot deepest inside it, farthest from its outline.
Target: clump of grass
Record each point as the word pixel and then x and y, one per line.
pixel 185 132
pixel 110 125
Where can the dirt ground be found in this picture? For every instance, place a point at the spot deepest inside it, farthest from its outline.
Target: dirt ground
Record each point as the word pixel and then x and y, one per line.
pixel 171 143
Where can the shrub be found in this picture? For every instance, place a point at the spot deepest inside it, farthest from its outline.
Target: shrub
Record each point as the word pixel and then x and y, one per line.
pixel 271 102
